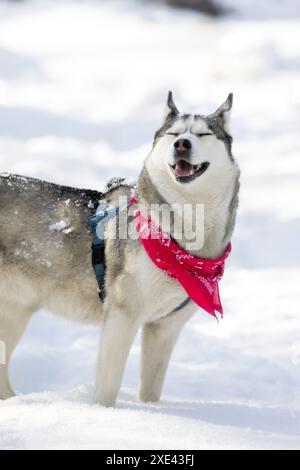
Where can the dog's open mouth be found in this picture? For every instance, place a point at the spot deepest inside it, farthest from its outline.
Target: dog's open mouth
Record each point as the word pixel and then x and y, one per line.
pixel 185 172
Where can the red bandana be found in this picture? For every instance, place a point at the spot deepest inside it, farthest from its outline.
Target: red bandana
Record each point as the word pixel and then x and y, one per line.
pixel 199 277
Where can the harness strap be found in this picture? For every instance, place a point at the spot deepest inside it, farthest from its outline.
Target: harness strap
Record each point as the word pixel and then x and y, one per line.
pixel 99 265
pixel 97 225
pixel 181 305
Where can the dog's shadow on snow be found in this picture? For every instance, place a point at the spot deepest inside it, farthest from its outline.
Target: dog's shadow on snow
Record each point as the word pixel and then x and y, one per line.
pixel 279 420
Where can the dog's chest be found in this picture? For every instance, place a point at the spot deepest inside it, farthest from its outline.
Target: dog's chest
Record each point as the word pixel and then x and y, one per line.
pixel 159 293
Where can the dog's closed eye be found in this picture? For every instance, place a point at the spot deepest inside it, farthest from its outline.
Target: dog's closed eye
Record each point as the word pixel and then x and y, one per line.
pixel 204 134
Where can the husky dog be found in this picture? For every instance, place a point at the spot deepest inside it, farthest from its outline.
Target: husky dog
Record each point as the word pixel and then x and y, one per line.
pixel 45 250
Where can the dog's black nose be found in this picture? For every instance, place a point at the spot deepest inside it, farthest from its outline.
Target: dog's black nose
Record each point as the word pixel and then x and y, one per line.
pixel 182 145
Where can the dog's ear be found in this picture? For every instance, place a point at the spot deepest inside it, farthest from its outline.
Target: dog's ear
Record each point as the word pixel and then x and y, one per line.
pixel 170 109
pixel 224 113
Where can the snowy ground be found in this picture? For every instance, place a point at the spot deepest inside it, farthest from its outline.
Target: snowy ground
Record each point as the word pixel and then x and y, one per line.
pixel 82 86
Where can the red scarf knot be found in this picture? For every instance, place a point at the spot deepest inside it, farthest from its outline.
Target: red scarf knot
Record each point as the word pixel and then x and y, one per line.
pixel 199 277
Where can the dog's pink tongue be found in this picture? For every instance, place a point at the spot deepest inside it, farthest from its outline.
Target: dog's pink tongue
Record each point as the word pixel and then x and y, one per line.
pixel 183 169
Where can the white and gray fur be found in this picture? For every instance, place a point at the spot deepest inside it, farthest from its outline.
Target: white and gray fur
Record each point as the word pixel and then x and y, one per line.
pixel 45 250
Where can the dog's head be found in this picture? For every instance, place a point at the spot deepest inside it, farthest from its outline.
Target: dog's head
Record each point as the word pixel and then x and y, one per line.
pixel 194 150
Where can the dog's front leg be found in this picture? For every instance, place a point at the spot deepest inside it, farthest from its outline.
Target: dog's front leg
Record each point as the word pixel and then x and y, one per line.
pixel 159 339
pixel 117 336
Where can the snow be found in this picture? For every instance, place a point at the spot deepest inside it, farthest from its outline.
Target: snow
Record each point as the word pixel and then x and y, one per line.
pixel 82 86
pixel 58 226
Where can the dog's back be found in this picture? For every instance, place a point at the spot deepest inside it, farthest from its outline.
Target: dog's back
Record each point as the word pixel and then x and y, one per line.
pixel 39 220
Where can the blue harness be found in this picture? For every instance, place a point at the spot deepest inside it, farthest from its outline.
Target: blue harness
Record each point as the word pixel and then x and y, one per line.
pixel 97 226
pixel 97 223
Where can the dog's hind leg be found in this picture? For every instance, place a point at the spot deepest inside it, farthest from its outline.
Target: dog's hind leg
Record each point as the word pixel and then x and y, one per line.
pixel 12 327
pixel 118 333
pixel 158 341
